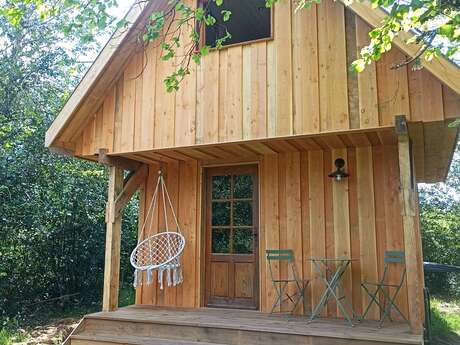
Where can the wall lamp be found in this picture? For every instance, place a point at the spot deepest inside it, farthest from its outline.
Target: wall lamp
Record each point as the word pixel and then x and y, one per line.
pixel 339 174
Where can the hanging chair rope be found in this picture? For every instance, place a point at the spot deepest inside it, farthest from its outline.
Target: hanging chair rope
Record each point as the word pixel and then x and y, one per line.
pixel 162 251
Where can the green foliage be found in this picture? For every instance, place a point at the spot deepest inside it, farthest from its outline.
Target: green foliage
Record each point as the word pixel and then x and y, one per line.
pixel 436 24
pixel 445 321
pixel 51 207
pixel 440 220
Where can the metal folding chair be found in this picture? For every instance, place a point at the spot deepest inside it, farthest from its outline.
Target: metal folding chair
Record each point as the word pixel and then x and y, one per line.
pixel 384 289
pixel 281 285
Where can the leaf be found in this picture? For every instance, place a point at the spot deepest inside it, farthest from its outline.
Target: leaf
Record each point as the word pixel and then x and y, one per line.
pixel 226 15
pixel 358 65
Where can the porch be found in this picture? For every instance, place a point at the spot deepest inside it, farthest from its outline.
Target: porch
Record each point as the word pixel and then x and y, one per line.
pixel 150 325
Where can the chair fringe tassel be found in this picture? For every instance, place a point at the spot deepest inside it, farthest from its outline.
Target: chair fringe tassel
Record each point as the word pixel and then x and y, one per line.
pixel 173 274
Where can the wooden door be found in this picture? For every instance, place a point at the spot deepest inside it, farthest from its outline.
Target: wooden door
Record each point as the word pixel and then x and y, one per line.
pixel 232 237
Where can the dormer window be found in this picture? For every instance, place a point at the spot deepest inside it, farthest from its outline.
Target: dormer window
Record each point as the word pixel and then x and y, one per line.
pixel 250 21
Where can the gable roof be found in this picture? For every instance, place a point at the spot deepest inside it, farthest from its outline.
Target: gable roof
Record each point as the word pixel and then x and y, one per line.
pixel 96 80
pixel 108 65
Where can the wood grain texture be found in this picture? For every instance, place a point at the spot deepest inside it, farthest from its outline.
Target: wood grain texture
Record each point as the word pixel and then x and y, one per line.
pixel 297 83
pixel 300 209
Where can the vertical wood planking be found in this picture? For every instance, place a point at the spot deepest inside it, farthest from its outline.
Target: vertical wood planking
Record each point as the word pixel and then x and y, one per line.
pixel 393 92
pixel 425 96
pixel 185 112
pixel 164 106
pixel 271 221
pixel 118 115
pixel 247 91
pixel 172 185
pixel 283 213
pixel 146 125
pixel 366 219
pixel 342 222
pixel 88 137
pixel 451 103
pixel 306 230
pixel 329 218
pixel 283 67
pixel 186 292
pixel 233 99
pixel 98 139
pixel 129 104
pixel 355 243
pixel 305 71
pixel 352 76
pixel 332 66
pixel 138 100
pixel 379 196
pixel 210 98
pixel 259 91
pixel 271 90
pixel 108 123
pixel 222 119
pixel 367 81
pixel 317 217
pixel 294 213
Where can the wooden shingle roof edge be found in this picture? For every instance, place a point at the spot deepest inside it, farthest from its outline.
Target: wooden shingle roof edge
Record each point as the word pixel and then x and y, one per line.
pixel 115 56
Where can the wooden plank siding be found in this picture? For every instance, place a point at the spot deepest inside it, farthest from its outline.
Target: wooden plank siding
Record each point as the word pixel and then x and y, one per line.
pixel 301 209
pixel 296 83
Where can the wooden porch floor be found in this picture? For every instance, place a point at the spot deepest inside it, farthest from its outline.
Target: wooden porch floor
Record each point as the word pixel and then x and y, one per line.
pixel 223 326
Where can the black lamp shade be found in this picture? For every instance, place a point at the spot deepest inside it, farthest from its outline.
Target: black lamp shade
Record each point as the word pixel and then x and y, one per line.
pixel 339 173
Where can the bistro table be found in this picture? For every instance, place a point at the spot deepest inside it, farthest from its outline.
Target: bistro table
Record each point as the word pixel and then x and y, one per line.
pixel 332 279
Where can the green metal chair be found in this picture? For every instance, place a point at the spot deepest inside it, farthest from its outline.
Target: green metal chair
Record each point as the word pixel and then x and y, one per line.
pixel 392 259
pixel 281 285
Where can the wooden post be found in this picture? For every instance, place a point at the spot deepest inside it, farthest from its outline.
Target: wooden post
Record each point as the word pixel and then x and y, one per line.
pixel 112 242
pixel 408 212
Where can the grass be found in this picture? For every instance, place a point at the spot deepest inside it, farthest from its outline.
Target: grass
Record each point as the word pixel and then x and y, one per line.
pixel 9 333
pixel 445 322
pixel 13 331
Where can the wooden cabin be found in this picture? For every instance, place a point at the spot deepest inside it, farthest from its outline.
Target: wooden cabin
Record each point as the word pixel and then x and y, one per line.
pixel 277 111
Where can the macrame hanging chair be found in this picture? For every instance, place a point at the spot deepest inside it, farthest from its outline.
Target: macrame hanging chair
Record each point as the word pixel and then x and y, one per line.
pixel 161 252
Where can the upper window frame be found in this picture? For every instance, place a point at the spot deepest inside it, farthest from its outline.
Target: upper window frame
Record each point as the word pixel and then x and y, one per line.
pixel 200 3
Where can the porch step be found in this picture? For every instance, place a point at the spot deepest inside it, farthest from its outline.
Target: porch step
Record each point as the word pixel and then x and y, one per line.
pixel 103 339
pixel 163 326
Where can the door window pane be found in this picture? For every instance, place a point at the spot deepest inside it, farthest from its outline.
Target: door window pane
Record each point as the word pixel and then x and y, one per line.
pixel 221 187
pixel 243 187
pixel 242 213
pixel 220 241
pixel 243 240
pixel 220 213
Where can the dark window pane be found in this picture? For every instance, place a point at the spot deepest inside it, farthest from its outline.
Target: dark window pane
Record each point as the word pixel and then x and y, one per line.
pixel 221 187
pixel 242 213
pixel 220 213
pixel 250 20
pixel 221 240
pixel 243 240
pixel 243 186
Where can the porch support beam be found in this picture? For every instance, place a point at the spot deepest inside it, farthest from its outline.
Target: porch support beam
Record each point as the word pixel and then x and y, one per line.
pixel 121 162
pixel 130 185
pixel 112 242
pixel 410 226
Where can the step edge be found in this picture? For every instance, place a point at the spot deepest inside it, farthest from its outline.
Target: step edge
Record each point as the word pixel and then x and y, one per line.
pixel 415 339
pixel 122 339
